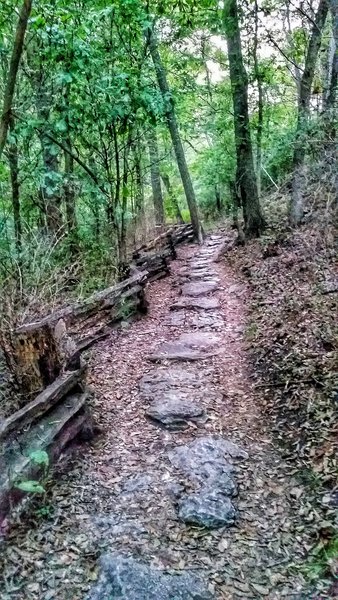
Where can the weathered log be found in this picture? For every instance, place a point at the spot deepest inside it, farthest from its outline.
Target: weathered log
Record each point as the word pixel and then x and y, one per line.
pixel 42 403
pixel 94 303
pixel 52 433
pixel 40 349
pixel 37 357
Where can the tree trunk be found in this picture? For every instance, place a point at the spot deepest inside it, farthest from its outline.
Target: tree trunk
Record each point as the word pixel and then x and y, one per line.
pixel 122 258
pixel 156 178
pixel 139 196
pixel 172 197
pixel 218 199
pixel 175 135
pixel 50 188
pixel 332 91
pixel 296 209
pixel 259 130
pixel 13 160
pixel 70 201
pixel 13 71
pixel 245 173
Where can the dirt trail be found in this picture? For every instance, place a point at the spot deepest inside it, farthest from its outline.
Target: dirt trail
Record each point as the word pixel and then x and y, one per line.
pixel 122 493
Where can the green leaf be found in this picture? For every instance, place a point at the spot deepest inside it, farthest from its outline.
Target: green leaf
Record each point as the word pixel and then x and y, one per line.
pixel 39 457
pixel 32 487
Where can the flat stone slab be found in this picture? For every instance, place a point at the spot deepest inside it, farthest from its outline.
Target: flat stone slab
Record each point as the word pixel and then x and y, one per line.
pixel 206 463
pixel 174 411
pixel 207 319
pixel 176 319
pixel 113 525
pixel 124 578
pixel 208 508
pixel 189 346
pixel 199 288
pixel 200 340
pixel 196 303
pixel 138 483
pixel 206 458
pixel 159 381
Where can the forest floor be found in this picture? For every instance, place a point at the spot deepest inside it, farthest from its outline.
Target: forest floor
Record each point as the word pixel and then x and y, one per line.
pixel 120 493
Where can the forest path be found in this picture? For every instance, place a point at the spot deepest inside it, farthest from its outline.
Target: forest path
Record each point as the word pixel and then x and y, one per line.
pixel 131 491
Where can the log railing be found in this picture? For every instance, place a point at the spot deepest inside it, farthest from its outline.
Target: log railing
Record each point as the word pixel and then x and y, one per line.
pixel 45 357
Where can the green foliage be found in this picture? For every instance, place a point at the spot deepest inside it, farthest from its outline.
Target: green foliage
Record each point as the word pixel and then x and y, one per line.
pixel 31 487
pixel 38 458
pixel 87 85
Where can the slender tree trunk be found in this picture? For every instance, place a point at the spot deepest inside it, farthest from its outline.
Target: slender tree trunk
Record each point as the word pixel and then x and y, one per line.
pixel 123 225
pixel 13 71
pixel 328 70
pixel 245 173
pixel 50 188
pixel 259 130
pixel 332 98
pixel 139 196
pixel 13 159
pixel 156 178
pixel 332 91
pixel 175 135
pixel 296 209
pixel 70 201
pixel 218 199
pixel 172 197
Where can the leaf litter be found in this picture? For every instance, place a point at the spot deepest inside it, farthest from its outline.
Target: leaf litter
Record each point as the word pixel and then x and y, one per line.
pixel 52 551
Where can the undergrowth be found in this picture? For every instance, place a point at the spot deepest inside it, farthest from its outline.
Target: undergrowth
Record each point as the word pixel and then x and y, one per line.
pixel 293 341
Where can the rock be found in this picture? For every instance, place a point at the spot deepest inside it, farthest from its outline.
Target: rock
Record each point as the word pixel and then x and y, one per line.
pixel 199 288
pixel 205 463
pixel 124 578
pixel 189 346
pixel 159 381
pixel 200 467
pixel 175 490
pixel 137 483
pixel 112 524
pixel 205 459
pixel 193 303
pixel 177 319
pixel 200 340
pixel 174 411
pixel 207 319
pixel 208 508
pixel 183 350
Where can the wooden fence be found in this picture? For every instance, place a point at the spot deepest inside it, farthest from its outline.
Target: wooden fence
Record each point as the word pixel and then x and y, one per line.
pixel 46 358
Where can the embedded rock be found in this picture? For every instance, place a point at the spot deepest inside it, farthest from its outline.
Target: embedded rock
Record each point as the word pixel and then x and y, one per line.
pixel 205 459
pixel 205 462
pixel 199 288
pixel 174 411
pixel 196 303
pixel 124 578
pixel 207 508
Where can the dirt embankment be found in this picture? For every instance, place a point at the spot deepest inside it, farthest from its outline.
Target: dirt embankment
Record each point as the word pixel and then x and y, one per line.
pixel 292 338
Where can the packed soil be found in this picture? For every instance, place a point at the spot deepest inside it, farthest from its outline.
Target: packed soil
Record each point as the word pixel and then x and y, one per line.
pixel 94 504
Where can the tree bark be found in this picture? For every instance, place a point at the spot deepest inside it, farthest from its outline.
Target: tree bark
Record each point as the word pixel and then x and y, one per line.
pixel 296 208
pixel 172 197
pixel 139 196
pixel 175 135
pixel 13 71
pixel 70 200
pixel 156 178
pixel 259 130
pixel 50 187
pixel 246 181
pixel 13 159
pixel 332 91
